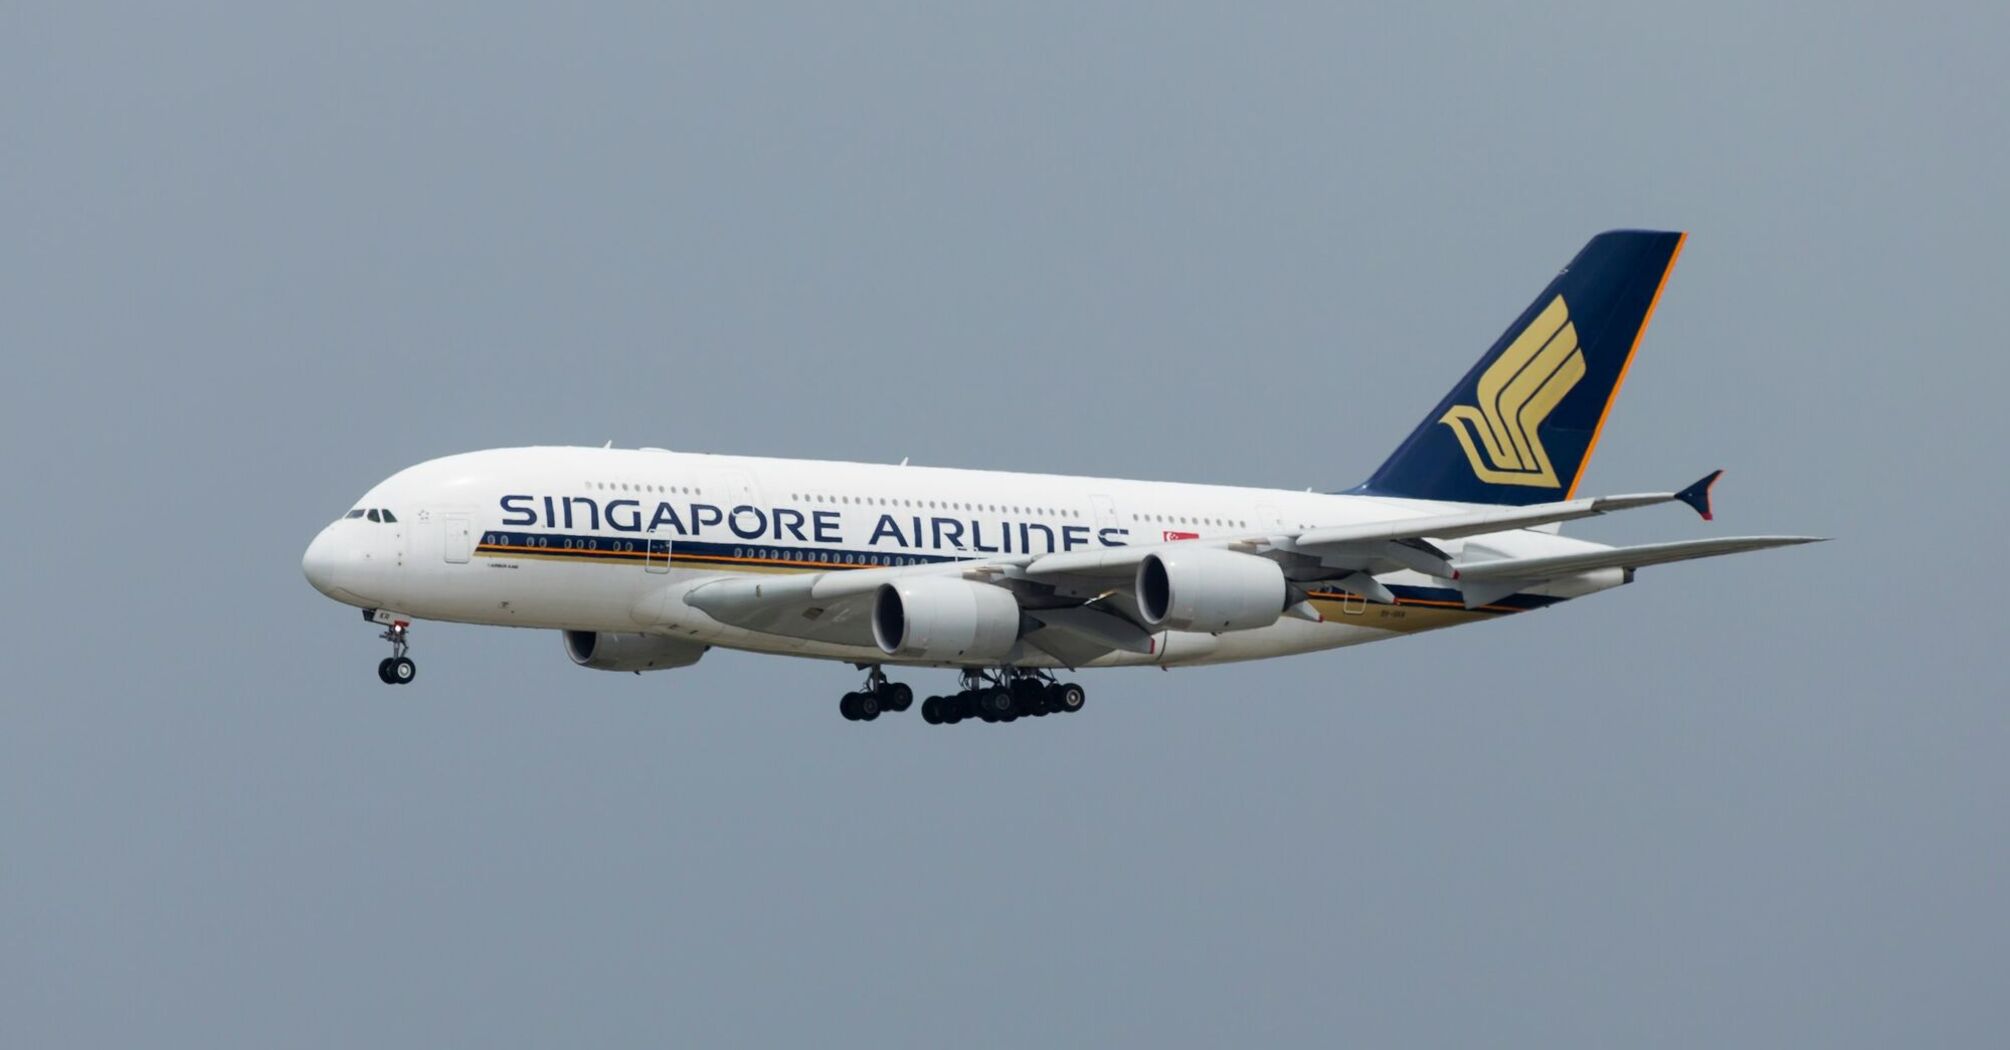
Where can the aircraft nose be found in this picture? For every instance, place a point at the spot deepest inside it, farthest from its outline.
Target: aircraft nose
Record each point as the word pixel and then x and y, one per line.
pixel 319 564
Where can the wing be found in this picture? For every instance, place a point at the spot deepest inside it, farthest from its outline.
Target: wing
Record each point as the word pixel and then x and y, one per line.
pixel 1078 605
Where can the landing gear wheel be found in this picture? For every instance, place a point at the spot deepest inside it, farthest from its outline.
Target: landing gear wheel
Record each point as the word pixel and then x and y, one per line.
pixel 996 704
pixel 396 669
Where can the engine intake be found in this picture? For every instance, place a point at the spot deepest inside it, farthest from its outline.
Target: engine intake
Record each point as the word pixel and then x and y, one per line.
pixel 946 619
pixel 1209 589
pixel 609 651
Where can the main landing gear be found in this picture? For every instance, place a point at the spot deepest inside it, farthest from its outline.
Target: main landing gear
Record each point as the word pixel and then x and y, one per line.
pixel 1004 696
pixel 397 668
pixel 878 695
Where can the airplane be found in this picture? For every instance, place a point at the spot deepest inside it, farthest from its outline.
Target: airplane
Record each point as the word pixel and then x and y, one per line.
pixel 644 559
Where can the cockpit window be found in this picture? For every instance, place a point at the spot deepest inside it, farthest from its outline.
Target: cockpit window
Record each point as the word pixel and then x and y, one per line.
pixel 357 513
pixel 390 517
pixel 375 515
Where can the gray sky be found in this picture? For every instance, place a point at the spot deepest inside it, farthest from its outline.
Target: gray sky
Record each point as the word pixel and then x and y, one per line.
pixel 257 259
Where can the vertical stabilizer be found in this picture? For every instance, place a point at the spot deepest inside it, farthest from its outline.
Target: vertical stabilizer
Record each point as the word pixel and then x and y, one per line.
pixel 1520 427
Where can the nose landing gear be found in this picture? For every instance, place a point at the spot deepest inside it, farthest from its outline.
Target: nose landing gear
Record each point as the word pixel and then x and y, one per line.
pixel 397 668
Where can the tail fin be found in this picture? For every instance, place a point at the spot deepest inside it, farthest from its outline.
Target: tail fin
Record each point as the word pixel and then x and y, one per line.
pixel 1520 427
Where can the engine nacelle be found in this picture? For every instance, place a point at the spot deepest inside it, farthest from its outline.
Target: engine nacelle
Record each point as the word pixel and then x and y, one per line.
pixel 946 619
pixel 610 651
pixel 1209 589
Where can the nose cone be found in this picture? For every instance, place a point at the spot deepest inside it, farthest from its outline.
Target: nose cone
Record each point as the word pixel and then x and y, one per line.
pixel 322 562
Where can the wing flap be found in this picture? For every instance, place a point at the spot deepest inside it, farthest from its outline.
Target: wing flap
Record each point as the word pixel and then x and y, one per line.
pixel 1096 627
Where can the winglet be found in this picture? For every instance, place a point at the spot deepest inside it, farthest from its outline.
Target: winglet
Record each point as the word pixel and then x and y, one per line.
pixel 1697 496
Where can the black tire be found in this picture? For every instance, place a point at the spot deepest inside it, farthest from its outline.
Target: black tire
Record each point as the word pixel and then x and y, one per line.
pixel 896 696
pixel 848 707
pixel 384 672
pixel 403 670
pixel 1069 697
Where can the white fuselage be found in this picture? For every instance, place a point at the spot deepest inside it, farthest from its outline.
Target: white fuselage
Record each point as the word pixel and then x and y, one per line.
pixel 610 540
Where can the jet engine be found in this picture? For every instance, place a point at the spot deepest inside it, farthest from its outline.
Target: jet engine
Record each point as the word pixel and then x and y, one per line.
pixel 1209 589
pixel 946 619
pixel 610 651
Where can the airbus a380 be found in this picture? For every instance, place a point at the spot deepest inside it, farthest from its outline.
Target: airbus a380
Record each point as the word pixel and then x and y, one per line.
pixel 644 559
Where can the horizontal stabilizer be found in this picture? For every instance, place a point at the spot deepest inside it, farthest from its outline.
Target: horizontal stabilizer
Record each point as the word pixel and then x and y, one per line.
pixel 1549 568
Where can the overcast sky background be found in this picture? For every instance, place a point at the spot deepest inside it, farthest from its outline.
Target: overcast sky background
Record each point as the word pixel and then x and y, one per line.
pixel 254 260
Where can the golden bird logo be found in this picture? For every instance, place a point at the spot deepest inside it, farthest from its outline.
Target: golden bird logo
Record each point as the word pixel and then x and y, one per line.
pixel 1516 394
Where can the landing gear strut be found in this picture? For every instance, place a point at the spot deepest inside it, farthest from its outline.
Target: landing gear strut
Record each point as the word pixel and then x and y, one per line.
pixel 1005 695
pixel 878 695
pixel 397 668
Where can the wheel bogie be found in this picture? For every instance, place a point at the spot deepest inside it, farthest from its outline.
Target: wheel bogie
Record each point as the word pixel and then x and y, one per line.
pixel 993 699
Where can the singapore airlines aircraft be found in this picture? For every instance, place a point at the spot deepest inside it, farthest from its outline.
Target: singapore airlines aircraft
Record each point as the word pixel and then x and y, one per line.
pixel 645 559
